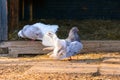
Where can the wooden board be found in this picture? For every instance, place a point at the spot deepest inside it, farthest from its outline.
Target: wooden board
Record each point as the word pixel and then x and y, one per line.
pixel 35 47
pixel 24 47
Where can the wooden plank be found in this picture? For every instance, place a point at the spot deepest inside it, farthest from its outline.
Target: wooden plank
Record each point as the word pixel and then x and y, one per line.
pixel 3 20
pixel 20 43
pixel 25 47
pixel 35 47
pixel 100 46
pixel 27 50
pixel 4 50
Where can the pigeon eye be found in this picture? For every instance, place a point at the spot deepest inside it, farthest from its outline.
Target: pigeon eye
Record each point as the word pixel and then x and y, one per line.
pixel 49 33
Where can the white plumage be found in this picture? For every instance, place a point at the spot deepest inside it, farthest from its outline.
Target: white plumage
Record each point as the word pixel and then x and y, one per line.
pixel 36 31
pixel 64 48
pixel 72 36
pixel 47 40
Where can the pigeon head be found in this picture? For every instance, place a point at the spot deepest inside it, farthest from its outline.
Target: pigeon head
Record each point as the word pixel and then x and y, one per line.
pixel 39 35
pixel 74 29
pixel 51 34
pixel 73 34
pixel 20 34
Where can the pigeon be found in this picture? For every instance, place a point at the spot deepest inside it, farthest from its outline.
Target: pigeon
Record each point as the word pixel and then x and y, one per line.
pixel 73 34
pixel 63 48
pixel 36 31
pixel 31 32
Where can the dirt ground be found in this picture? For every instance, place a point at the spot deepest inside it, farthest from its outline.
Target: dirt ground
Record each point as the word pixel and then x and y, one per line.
pixel 42 67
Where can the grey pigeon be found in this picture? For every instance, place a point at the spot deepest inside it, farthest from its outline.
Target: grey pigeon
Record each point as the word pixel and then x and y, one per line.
pixel 73 34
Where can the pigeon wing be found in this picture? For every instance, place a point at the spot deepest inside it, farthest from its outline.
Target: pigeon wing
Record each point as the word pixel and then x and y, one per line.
pixel 47 40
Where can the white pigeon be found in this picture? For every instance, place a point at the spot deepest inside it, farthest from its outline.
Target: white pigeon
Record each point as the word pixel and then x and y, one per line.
pixel 36 31
pixel 64 48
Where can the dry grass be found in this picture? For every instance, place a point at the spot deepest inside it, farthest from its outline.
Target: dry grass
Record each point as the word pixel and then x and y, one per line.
pixel 16 71
pixel 57 76
pixel 89 29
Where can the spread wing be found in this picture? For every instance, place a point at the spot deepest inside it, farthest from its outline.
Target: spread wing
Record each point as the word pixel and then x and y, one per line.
pixel 47 40
pixel 36 31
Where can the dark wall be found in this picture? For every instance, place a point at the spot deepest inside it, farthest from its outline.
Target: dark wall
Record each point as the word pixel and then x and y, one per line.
pixel 76 9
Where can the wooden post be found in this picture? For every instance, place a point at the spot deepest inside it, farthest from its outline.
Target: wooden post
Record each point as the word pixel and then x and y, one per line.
pixel 13 14
pixel 23 6
pixel 3 20
pixel 31 10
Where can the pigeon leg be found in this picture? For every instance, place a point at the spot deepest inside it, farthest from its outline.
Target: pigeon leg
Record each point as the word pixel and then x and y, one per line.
pixel 70 58
pixel 77 57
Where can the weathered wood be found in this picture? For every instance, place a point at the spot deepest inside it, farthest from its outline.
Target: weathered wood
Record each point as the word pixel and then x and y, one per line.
pixel 3 20
pixel 13 14
pixel 4 50
pixel 31 10
pixel 101 46
pixel 35 47
pixel 23 6
pixel 24 47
